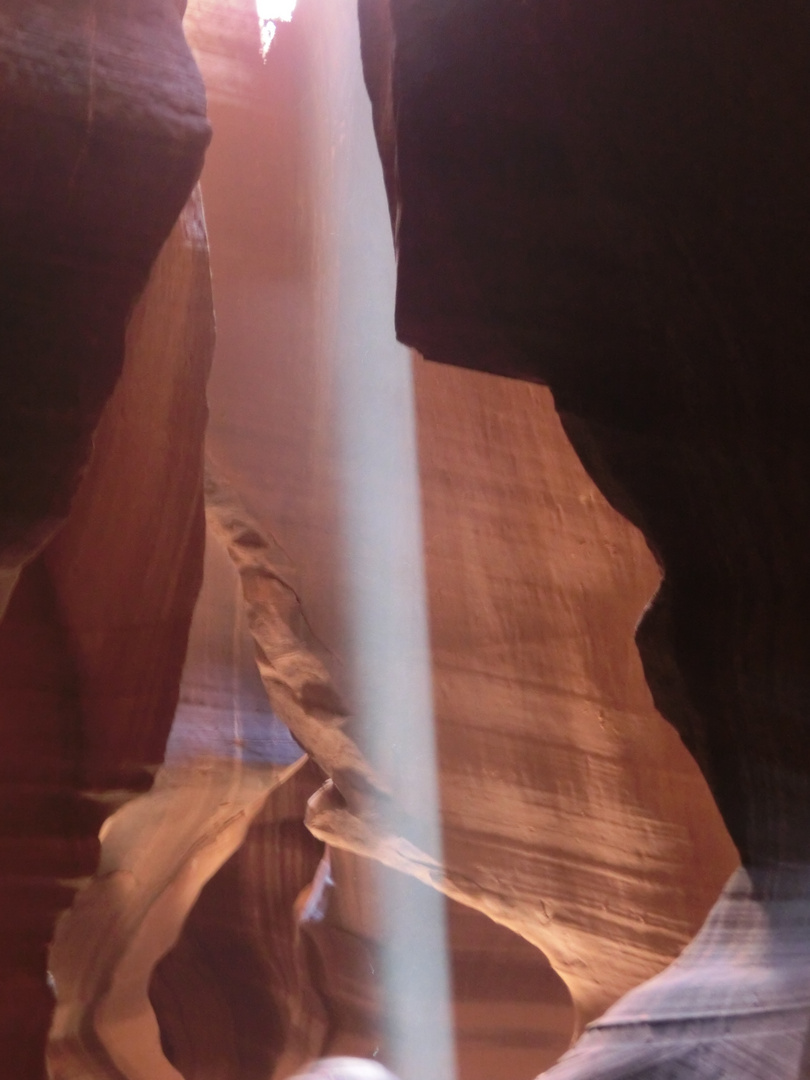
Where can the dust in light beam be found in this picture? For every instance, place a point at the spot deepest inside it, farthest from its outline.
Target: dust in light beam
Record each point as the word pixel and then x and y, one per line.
pixel 270 12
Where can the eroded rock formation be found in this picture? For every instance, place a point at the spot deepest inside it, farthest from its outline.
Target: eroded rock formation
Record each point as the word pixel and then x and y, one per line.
pixel 644 256
pixel 511 1012
pixel 225 755
pixel 102 134
pixel 94 639
pixel 236 998
pixel 608 202
pixel 613 201
pixel 535 584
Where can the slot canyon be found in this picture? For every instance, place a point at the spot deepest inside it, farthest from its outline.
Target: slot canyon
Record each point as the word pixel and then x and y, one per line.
pixel 404 517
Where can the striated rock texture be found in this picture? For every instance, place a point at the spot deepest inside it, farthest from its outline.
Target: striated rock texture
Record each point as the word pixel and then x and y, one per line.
pixel 612 200
pixel 573 813
pixel 102 138
pixel 127 566
pixel 512 1014
pixel 543 830
pixel 234 998
pixel 736 1003
pixel 225 754
pixel 102 135
pixel 638 242
pixel 92 645
pixel 243 991
pixel 566 799
pixel 263 979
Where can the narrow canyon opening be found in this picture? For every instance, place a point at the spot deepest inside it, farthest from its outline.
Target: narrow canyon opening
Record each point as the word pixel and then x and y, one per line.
pixel 242 946
pixel 403 563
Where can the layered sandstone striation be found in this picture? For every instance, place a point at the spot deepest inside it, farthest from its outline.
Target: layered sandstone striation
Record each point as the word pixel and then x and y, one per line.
pixel 608 202
pixel 613 201
pixel 735 1003
pixel 643 257
pixel 226 754
pixel 236 996
pixel 94 637
pixel 102 132
pixel 102 135
pixel 511 1012
pixel 572 812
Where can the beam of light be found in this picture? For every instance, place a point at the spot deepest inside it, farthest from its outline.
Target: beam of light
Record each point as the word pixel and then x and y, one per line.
pixel 382 536
pixel 270 12
pixel 343 1068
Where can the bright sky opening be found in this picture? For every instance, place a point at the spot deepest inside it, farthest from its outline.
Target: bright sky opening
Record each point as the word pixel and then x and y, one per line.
pixel 270 12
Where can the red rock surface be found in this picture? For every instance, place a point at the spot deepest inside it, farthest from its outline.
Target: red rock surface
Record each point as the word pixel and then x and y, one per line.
pixel 158 851
pixel 102 134
pixel 610 202
pixel 573 814
pixel 234 998
pixel 638 243
pixel 512 1014
pixel 613 201
pixel 94 638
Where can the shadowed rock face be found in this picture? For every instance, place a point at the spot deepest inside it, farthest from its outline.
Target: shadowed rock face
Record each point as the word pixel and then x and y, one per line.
pixel 613 200
pixel 94 638
pixel 233 998
pixel 512 1013
pixel 572 811
pixel 102 134
pixel 735 1003
pixel 573 814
